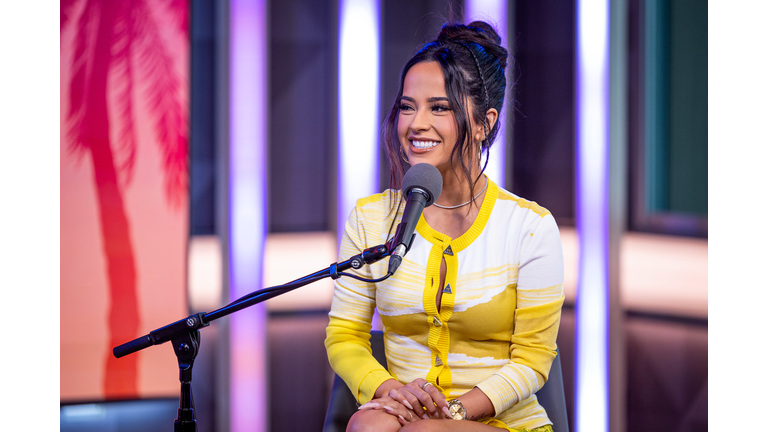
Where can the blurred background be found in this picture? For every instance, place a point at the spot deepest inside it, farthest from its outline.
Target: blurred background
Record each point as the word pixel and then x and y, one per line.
pixel 154 156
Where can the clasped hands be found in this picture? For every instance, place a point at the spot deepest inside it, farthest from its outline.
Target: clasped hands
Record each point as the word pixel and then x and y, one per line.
pixel 417 400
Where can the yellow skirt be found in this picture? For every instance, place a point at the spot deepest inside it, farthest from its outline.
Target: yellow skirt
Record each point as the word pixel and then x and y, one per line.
pixel 496 423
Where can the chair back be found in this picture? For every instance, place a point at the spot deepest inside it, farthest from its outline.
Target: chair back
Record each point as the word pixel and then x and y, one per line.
pixel 552 397
pixel 343 404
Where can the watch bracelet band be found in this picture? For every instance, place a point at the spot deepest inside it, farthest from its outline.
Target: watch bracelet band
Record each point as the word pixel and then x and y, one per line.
pixel 461 405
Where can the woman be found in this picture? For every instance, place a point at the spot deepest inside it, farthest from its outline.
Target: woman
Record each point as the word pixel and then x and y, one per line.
pixel 471 316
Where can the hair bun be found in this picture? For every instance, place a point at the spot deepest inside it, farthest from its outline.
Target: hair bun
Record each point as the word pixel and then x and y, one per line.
pixel 486 30
pixel 479 32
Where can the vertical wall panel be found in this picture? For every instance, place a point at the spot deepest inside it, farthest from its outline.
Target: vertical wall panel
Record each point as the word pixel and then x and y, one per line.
pixel 406 26
pixel 124 80
pixel 300 116
pixel 358 86
pixel 592 175
pixel 543 133
pixel 247 205
pixel 495 13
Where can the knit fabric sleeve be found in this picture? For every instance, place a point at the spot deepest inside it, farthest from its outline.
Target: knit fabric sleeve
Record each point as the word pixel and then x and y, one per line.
pixel 537 318
pixel 348 334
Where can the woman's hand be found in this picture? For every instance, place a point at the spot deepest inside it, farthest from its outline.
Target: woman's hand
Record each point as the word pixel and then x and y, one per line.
pixel 421 397
pixel 404 413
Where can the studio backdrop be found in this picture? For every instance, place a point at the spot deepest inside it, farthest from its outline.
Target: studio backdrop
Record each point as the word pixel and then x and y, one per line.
pixel 124 194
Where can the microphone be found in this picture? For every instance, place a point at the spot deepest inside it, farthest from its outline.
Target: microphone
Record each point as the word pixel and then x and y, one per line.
pixel 422 184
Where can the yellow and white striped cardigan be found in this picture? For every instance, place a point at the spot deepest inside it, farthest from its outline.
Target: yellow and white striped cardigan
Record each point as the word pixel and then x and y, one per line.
pixel 498 321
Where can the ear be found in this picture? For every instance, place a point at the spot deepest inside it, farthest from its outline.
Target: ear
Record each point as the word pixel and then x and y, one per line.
pixel 490 119
pixel 491 116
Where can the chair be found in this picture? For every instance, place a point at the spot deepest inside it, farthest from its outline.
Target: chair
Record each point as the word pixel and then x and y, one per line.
pixel 552 397
pixel 343 404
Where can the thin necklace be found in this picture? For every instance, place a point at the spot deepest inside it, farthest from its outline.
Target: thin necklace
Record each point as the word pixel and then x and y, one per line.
pixel 462 205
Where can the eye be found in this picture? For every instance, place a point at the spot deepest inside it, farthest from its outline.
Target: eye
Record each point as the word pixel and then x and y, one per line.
pixel 440 108
pixel 405 107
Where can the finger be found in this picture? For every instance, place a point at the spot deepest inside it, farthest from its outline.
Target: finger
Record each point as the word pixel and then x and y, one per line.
pixel 437 397
pixel 400 411
pixel 410 419
pixel 408 393
pixel 418 399
pixel 407 399
pixel 447 412
pixel 369 405
pixel 403 398
pixel 426 393
pixel 395 411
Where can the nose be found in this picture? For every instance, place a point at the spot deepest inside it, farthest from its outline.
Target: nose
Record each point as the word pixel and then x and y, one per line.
pixel 420 120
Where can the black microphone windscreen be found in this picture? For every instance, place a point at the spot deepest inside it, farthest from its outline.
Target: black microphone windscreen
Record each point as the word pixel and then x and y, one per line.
pixel 426 177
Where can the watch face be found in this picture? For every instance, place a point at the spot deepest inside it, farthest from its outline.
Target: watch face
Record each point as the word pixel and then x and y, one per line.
pixel 457 411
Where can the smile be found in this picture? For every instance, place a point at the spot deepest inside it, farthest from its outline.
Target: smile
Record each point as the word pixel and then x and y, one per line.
pixel 424 144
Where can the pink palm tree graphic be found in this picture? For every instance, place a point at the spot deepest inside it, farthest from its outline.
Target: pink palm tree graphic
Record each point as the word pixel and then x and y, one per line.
pixel 118 45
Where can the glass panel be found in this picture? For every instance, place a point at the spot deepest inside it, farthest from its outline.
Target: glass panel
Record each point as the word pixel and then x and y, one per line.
pixel 668 88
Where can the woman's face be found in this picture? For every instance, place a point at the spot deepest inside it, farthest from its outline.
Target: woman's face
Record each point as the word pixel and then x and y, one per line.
pixel 426 124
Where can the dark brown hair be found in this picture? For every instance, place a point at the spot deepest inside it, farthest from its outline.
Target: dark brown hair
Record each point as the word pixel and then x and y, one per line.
pixel 473 63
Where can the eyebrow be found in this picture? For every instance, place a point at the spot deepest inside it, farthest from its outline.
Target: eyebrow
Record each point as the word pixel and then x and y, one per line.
pixel 432 99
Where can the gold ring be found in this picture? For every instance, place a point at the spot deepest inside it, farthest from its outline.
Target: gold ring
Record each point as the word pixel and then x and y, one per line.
pixel 424 387
pixel 410 416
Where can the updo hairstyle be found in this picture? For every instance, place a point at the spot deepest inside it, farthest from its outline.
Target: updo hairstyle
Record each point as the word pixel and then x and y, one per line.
pixel 473 63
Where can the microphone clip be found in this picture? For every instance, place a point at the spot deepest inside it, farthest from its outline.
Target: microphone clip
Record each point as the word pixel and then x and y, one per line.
pixel 398 241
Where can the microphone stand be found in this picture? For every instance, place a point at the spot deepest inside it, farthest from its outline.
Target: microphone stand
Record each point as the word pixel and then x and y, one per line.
pixel 185 334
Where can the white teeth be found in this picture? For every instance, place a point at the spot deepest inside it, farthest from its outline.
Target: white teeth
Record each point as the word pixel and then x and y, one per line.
pixel 424 144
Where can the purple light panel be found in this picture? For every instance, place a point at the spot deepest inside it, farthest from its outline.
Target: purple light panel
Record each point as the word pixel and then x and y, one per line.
pixel 592 121
pixel 247 201
pixel 493 12
pixel 358 161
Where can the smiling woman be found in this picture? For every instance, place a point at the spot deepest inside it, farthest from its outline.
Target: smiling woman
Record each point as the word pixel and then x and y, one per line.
pixel 428 132
pixel 426 125
pixel 471 316
pixel 460 78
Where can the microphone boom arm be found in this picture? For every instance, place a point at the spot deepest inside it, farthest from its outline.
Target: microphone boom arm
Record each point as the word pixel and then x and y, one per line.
pixel 185 333
pixel 199 320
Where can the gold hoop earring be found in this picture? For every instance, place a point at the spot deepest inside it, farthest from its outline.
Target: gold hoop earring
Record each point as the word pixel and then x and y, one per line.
pixel 480 155
pixel 402 155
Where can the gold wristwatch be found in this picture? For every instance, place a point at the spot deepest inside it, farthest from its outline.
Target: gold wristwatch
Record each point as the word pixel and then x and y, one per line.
pixel 457 409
